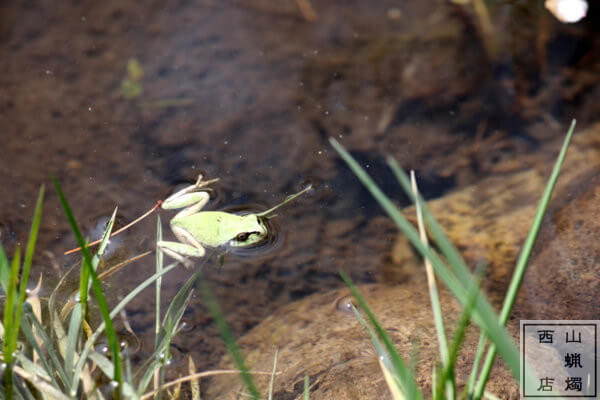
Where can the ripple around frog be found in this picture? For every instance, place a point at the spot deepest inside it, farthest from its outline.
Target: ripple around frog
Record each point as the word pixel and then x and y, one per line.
pixel 270 243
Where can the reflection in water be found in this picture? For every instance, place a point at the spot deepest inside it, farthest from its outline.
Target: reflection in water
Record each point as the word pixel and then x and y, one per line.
pixel 345 304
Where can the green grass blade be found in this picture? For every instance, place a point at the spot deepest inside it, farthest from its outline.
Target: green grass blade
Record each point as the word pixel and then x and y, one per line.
pixel 15 318
pixel 30 338
pixel 158 283
pixel 84 283
pixel 16 310
pixel 395 384
pixel 523 260
pixel 484 315
pixel 118 308
pixel 461 270
pixel 30 367
pixel 4 269
pixel 455 260
pixel 175 312
pixel 408 384
pixel 272 380
pixel 102 304
pixel 129 380
pixel 18 393
pixel 73 336
pixel 213 307
pixel 9 308
pixel 105 365
pixel 15 298
pixel 159 266
pixel 84 276
pixel 56 368
pixel 168 327
pixel 447 374
pixel 470 386
pixel 306 388
pixel 129 391
pixel 35 226
pixel 149 368
pixel 434 297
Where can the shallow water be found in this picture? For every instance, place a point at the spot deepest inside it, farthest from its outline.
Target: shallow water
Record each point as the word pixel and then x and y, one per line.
pixel 250 92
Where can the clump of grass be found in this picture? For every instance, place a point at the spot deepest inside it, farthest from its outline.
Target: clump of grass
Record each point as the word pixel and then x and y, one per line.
pixel 15 298
pixel 455 274
pixel 51 360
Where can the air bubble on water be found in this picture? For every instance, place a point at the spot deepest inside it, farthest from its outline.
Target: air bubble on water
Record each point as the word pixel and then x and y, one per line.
pixel 344 304
pixel 102 349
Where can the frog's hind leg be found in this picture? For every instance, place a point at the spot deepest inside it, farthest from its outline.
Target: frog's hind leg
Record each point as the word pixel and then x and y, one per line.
pixel 186 248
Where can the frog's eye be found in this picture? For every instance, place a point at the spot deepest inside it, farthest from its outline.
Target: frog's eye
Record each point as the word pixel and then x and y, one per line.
pixel 242 237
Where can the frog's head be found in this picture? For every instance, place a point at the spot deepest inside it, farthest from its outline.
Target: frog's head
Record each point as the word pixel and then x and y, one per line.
pixel 251 231
pixel 252 228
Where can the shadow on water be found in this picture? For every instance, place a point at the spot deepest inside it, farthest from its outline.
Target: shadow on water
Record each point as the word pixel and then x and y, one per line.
pixel 351 198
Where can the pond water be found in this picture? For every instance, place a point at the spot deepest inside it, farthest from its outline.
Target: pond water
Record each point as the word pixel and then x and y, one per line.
pixel 250 92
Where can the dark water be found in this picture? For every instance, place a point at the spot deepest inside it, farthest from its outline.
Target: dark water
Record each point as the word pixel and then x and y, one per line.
pixel 250 92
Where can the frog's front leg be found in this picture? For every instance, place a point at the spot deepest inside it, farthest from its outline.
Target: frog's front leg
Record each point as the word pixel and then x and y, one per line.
pixel 182 251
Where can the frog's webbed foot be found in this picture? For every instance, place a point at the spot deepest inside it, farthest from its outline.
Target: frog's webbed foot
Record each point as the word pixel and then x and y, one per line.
pixel 200 183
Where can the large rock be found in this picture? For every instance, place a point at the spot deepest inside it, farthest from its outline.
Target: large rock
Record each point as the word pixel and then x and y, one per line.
pixel 319 337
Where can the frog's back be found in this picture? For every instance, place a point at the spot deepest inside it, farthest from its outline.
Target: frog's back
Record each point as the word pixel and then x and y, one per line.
pixel 211 228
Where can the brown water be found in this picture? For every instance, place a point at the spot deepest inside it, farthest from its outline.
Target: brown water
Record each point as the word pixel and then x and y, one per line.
pixel 250 92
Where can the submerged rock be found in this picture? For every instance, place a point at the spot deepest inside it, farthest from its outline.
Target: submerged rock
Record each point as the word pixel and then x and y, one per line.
pixel 321 338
